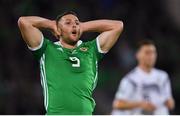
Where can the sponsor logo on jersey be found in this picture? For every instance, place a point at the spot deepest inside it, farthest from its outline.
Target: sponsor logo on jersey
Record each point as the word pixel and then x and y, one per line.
pixel 84 49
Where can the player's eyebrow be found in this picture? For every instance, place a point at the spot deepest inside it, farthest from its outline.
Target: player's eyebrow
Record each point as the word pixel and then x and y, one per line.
pixel 67 19
pixel 76 20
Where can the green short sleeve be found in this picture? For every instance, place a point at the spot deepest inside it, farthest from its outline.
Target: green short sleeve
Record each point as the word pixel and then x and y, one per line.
pixel 97 50
pixel 39 50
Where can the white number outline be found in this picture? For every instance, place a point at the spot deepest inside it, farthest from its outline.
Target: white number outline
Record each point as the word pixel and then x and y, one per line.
pixel 75 59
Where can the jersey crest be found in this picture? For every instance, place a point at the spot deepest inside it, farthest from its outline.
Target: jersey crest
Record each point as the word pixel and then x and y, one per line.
pixel 84 49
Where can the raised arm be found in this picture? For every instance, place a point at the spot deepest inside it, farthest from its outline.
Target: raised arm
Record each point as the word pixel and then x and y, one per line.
pixel 109 31
pixel 30 29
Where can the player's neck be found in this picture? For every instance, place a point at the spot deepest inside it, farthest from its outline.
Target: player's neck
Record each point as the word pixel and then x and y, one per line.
pixel 66 45
pixel 146 69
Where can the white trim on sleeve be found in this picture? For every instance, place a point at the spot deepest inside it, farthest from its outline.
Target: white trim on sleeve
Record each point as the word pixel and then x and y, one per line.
pixel 39 46
pixel 98 46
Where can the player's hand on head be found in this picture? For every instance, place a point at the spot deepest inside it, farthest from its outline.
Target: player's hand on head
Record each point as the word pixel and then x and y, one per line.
pixel 147 106
pixel 55 31
pixel 81 29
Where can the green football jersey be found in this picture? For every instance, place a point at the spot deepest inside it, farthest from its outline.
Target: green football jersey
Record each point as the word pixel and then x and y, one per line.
pixel 68 76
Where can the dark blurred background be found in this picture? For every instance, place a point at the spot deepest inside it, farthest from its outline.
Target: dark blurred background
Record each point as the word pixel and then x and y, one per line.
pixel 159 20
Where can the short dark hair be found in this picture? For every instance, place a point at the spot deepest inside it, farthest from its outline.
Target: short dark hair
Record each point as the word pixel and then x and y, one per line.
pixel 144 43
pixel 65 13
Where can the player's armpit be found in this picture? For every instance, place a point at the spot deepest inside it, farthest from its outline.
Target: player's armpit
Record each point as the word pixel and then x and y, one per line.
pixel 99 47
pixel 37 47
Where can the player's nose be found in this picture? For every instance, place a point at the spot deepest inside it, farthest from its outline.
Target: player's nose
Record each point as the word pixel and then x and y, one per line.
pixel 74 25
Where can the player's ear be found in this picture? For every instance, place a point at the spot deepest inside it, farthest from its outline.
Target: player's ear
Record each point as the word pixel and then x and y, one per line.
pixel 137 55
pixel 81 27
pixel 59 29
pixel 80 32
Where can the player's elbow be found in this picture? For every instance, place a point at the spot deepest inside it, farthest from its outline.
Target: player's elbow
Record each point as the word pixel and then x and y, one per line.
pixel 22 21
pixel 119 26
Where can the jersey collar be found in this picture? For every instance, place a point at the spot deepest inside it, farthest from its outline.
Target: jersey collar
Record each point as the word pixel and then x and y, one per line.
pixel 59 43
pixel 143 72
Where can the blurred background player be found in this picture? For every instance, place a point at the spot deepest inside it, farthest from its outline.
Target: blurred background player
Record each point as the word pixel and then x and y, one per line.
pixel 145 89
pixel 69 66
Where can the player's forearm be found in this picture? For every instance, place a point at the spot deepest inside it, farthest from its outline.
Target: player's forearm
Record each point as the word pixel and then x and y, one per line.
pixel 101 25
pixel 170 104
pixel 125 105
pixel 37 22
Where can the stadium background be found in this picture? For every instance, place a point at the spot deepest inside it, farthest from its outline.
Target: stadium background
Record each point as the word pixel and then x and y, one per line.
pixel 159 20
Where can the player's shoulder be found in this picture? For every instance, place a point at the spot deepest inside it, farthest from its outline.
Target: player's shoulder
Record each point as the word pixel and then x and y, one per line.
pixel 160 73
pixel 130 75
pixel 90 42
pixel 129 80
pixel 48 41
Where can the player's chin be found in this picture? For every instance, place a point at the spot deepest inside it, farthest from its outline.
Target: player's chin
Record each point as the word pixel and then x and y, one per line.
pixel 74 38
pixel 150 64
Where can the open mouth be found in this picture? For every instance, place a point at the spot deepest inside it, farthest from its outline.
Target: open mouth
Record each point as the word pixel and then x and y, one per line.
pixel 74 32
